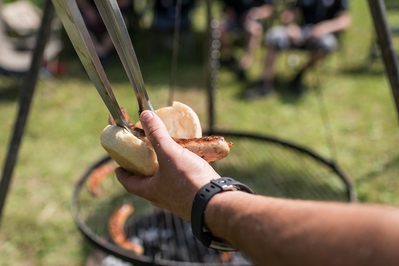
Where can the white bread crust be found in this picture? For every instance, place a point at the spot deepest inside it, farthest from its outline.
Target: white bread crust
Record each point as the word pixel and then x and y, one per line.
pixel 130 152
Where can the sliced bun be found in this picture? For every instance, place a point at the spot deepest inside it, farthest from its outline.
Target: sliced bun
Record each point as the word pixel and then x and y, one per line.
pixel 180 120
pixel 137 156
pixel 131 153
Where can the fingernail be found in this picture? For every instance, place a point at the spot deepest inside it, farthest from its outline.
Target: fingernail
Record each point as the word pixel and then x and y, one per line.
pixel 146 116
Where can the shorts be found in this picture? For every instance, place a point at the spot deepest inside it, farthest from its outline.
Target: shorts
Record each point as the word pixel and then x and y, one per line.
pixel 165 22
pixel 277 37
pixel 237 25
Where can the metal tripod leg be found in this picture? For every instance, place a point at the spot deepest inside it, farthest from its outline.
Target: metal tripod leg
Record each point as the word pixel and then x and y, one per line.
pixel 378 12
pixel 25 99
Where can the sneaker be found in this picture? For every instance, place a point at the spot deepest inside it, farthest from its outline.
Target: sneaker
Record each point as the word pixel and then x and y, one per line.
pixel 259 90
pixel 296 86
pixel 241 73
pixel 230 62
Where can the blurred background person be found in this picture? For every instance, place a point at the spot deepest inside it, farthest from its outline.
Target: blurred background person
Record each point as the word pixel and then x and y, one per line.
pixel 20 23
pixel 246 18
pixel 166 14
pixel 311 25
pixel 96 27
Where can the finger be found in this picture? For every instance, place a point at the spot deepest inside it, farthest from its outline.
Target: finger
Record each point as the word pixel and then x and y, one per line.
pixel 132 183
pixel 156 132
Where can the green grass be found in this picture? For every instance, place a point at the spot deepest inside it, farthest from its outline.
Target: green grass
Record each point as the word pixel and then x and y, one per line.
pixel 67 116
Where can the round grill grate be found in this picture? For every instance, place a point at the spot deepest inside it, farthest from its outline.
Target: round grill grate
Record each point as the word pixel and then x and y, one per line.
pixel 269 166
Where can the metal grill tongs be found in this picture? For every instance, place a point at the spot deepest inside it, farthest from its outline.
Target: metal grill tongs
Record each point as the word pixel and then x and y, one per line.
pixel 76 29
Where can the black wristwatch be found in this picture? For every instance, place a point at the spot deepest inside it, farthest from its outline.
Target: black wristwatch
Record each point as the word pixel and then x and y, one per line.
pixel 201 200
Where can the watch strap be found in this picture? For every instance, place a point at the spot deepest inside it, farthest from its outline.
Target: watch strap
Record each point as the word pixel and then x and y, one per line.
pixel 201 200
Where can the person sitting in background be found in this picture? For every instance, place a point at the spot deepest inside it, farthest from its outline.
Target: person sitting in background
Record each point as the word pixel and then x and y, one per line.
pixel 269 231
pixel 94 23
pixel 246 17
pixel 165 14
pixel 320 21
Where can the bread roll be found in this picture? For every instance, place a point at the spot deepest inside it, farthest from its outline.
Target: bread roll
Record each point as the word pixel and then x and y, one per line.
pixel 130 152
pixel 180 120
pixel 137 156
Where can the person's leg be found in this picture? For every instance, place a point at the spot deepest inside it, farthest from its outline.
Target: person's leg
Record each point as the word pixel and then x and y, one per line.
pixel 268 74
pixel 107 46
pixel 319 49
pixel 226 47
pixel 265 85
pixel 276 40
pixel 254 31
pixel 296 84
pixel 97 44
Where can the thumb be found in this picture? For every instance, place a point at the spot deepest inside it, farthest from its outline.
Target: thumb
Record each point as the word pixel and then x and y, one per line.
pixel 156 131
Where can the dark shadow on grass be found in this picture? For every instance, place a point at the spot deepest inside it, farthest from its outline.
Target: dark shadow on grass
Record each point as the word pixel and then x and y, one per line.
pixel 282 89
pixel 285 92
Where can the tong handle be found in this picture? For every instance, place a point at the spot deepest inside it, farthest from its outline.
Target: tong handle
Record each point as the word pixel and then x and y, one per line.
pixel 76 29
pixel 115 24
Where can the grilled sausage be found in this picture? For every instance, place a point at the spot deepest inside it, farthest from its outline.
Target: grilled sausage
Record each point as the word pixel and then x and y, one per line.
pixel 116 229
pixel 97 176
pixel 210 148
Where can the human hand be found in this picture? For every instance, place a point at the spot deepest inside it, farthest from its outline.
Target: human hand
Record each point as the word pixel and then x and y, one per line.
pixel 318 31
pixel 294 34
pixel 253 14
pixel 180 175
pixel 287 17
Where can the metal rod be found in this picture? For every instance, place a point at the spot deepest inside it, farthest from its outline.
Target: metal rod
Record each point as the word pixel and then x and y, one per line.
pixel 321 104
pixel 175 52
pixel 210 71
pixel 74 25
pixel 115 23
pixel 384 35
pixel 25 100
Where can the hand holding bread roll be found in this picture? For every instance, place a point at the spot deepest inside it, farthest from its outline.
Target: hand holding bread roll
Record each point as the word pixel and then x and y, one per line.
pixel 133 152
pixel 180 175
pixel 180 120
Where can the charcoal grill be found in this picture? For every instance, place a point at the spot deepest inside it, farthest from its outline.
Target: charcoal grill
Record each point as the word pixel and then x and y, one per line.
pixel 166 238
pixel 268 165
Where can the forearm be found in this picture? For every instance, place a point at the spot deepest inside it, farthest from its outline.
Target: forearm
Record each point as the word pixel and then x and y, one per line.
pixel 286 232
pixel 260 13
pixel 288 16
pixel 340 23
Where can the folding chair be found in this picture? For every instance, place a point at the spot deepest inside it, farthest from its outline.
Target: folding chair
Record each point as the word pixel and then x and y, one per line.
pixel 19 23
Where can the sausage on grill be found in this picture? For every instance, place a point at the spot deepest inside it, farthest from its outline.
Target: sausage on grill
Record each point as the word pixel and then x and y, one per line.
pixel 97 176
pixel 116 229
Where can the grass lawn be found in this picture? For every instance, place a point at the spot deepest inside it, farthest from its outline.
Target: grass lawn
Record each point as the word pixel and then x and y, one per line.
pixel 67 116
